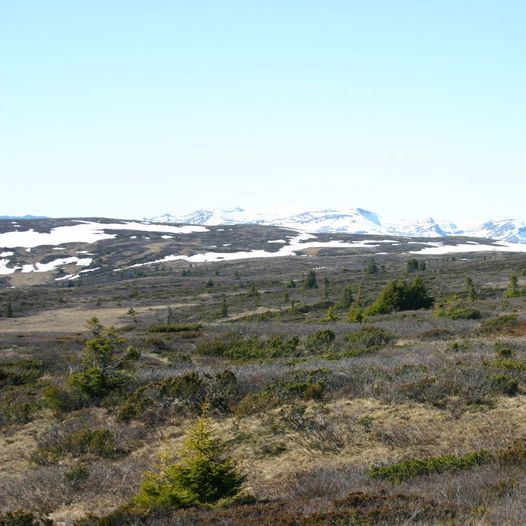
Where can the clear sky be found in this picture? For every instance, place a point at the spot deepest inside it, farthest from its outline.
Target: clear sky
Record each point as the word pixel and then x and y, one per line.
pixel 128 108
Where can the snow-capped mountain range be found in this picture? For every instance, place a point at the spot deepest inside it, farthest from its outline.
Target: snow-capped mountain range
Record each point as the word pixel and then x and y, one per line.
pixel 352 221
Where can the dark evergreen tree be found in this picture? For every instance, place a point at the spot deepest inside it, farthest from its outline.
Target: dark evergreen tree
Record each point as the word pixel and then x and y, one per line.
pixel 372 267
pixel 470 289
pixel 203 475
pixel 400 295
pixel 326 284
pixel 346 299
pixel 8 310
pixel 253 291
pixel 513 289
pixel 223 311
pixel 170 316
pixel 412 265
pixel 310 281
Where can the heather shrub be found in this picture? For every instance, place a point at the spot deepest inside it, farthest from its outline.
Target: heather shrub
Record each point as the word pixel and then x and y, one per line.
pixel 20 372
pixel 319 341
pixel 24 518
pixel 237 347
pixel 417 467
pixel 182 394
pixel 498 325
pixel 452 308
pixel 505 384
pixel 175 327
pixel 370 337
pixel 82 442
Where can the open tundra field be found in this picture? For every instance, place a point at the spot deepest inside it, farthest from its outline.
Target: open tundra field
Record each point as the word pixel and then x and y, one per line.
pixel 350 379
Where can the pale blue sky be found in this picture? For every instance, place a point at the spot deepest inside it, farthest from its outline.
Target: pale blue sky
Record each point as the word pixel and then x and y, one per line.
pixel 135 108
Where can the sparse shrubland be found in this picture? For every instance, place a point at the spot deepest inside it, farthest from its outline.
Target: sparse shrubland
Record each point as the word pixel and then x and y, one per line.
pixel 338 391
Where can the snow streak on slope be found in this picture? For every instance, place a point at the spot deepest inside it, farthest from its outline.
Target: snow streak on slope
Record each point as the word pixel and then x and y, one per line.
pixel 441 248
pixel 84 232
pixel 43 267
pixel 296 244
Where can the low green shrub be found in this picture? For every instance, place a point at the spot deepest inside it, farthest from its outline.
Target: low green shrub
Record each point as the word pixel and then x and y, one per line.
pixel 426 466
pixel 60 400
pixel 508 364
pixel 24 518
pixel 95 383
pixel 505 384
pixel 77 474
pixel 503 349
pixel 453 309
pixel 514 454
pixel 370 337
pixel 83 442
pixel 294 386
pixel 498 325
pixel 182 394
pixel 237 347
pixel 21 372
pixel 18 407
pixel 175 327
pixel 319 341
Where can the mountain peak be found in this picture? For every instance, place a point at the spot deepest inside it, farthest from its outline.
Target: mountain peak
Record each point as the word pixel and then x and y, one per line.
pixel 351 221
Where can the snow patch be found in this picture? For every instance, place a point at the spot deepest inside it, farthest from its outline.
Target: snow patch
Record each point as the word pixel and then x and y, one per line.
pixel 440 248
pixel 297 244
pixel 52 265
pixel 85 232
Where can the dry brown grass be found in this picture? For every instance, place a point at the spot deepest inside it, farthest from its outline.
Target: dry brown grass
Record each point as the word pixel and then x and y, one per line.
pixel 73 319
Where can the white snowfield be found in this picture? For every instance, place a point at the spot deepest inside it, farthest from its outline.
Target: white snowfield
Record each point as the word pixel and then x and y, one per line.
pixel 43 267
pixel 296 244
pixel 85 232
pixel 470 246
pixel 300 243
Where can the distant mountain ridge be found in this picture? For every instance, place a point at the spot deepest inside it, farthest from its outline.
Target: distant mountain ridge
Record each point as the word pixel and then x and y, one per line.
pixel 23 218
pixel 352 221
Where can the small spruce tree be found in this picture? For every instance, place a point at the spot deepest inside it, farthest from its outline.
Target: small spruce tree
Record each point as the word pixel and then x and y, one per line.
pixel 372 267
pixel 170 316
pixel 253 291
pixel 8 310
pixel 470 289
pixel 223 311
pixel 355 313
pixel 513 289
pixel 346 299
pixel 103 363
pixel 412 265
pixel 326 284
pixel 310 281
pixel 331 314
pixel 205 474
